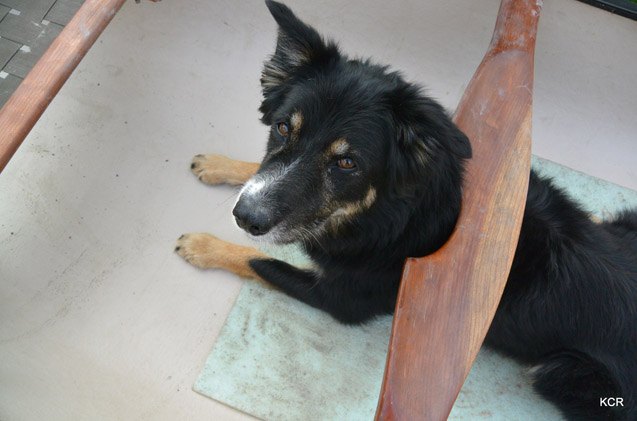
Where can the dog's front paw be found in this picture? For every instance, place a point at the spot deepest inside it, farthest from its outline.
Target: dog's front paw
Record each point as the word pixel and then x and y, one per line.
pixel 207 251
pixel 202 250
pixel 209 168
pixel 215 169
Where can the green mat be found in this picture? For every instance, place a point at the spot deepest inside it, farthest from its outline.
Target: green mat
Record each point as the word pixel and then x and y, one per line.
pixel 278 359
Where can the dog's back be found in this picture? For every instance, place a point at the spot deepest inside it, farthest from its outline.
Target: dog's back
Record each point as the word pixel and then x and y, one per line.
pixel 570 305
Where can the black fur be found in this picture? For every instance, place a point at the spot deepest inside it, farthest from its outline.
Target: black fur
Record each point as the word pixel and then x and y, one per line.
pixel 570 304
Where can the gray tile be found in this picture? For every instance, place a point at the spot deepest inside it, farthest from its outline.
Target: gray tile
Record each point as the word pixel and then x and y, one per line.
pixel 26 58
pixel 63 10
pixel 7 50
pixel 7 86
pixel 21 29
pixel 36 9
pixel 3 11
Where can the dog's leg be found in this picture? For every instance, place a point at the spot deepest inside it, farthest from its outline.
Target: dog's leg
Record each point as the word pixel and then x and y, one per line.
pixel 576 382
pixel 330 295
pixel 302 284
pixel 208 252
pixel 219 169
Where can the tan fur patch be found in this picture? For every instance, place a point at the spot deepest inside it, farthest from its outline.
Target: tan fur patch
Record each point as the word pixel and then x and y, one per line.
pixel 219 169
pixel 297 122
pixel 206 251
pixel 370 198
pixel 339 147
pixel 354 208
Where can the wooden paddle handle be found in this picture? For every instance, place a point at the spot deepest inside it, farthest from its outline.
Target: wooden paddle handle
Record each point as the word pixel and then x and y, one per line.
pixel 447 300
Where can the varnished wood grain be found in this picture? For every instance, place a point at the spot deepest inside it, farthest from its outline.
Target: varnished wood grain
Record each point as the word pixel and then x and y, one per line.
pixel 447 300
pixel 39 87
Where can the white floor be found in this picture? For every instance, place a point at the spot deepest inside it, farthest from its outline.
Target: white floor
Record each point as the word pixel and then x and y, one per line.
pixel 99 319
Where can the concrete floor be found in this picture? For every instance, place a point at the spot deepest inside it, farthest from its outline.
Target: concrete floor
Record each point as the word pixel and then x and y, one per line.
pixel 98 318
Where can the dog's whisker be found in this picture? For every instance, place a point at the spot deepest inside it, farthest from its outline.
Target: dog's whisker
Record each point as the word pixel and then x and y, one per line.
pixel 231 196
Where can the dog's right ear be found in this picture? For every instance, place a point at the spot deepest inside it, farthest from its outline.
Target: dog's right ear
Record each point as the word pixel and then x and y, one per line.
pixel 297 45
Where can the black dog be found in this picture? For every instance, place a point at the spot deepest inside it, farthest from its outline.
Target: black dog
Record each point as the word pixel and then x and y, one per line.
pixel 365 171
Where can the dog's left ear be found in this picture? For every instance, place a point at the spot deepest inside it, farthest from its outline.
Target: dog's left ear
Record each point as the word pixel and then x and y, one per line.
pixel 298 45
pixel 427 139
pixel 421 119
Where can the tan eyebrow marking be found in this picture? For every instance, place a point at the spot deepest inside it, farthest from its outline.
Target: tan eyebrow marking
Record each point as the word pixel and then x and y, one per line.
pixel 297 121
pixel 339 147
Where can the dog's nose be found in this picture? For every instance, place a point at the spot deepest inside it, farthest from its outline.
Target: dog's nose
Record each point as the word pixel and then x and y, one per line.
pixel 252 218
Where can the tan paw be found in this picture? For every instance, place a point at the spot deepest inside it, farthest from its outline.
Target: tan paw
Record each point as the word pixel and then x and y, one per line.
pixel 202 250
pixel 219 169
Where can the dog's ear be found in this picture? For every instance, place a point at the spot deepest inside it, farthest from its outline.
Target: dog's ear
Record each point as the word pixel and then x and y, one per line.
pixel 298 45
pixel 426 137
pixel 421 119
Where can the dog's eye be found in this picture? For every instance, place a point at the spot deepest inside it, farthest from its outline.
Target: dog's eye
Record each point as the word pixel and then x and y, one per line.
pixel 283 129
pixel 346 164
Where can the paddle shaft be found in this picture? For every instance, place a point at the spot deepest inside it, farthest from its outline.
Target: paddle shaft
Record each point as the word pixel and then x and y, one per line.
pixel 447 300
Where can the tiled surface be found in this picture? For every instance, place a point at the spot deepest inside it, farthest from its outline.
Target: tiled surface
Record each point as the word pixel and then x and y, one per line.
pixel 22 29
pixel 63 10
pixel 7 50
pixel 99 319
pixel 35 10
pixel 26 57
pixel 3 11
pixel 8 84
pixel 31 25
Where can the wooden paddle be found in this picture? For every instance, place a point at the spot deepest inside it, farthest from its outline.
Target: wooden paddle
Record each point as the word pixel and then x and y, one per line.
pixel 447 300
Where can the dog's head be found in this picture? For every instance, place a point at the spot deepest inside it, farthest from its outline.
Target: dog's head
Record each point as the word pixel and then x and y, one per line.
pixel 346 136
